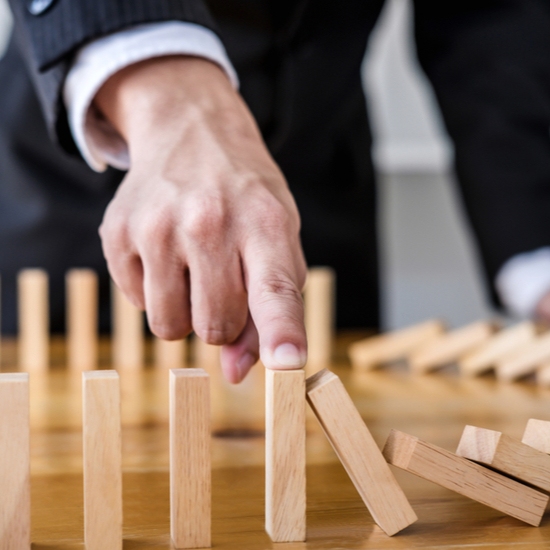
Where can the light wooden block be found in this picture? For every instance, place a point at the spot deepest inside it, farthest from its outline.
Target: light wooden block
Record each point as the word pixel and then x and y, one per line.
pixel 506 454
pixel 449 347
pixel 34 325
pixel 82 314
pixel 127 341
pixel 497 347
pixel 465 477
pixel 319 315
pixel 190 473
pixel 285 457
pixel 525 360
pixel 102 457
pixel 393 346
pixel 170 354
pixel 537 435
pixel 15 493
pixel 358 452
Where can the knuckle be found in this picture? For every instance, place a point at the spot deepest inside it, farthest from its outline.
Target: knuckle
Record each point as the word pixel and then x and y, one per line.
pixel 206 217
pixel 215 335
pixel 279 287
pixel 156 230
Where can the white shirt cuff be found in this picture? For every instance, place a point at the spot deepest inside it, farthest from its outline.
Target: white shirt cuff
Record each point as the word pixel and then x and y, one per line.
pixel 99 143
pixel 523 281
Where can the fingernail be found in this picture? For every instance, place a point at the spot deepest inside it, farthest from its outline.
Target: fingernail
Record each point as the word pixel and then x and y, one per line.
pixel 244 364
pixel 288 355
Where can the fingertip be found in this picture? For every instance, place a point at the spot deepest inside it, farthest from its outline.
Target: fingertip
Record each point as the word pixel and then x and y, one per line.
pixel 235 368
pixel 286 356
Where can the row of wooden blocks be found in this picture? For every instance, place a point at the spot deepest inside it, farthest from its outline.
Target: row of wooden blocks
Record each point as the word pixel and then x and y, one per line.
pixel 512 352
pixel 128 323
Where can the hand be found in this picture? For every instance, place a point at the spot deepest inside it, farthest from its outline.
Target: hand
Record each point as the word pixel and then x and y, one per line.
pixel 203 232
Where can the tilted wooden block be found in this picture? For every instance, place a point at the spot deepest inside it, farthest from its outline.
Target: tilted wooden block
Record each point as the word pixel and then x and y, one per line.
pixel 15 489
pixel 465 477
pixel 392 346
pixel 285 458
pixel 537 435
pixel 190 473
pixel 449 347
pixel 358 452
pixel 497 347
pixel 506 454
pixel 319 299
pixel 102 456
pixel 524 360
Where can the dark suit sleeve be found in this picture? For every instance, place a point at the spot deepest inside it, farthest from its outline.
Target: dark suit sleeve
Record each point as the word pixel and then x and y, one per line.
pixel 489 64
pixel 49 40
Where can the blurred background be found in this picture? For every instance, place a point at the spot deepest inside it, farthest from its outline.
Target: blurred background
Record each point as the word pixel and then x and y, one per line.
pixel 430 265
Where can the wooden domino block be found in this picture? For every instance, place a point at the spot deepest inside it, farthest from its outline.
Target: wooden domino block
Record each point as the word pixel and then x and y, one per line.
pixel 190 474
pixel 319 312
pixel 358 452
pixel 506 454
pixel 170 354
pixel 34 326
pixel 285 458
pixel 82 312
pixel 15 493
pixel 465 477
pixel 449 347
pixel 525 360
pixel 537 435
pixel 497 347
pixel 102 460
pixel 392 346
pixel 127 341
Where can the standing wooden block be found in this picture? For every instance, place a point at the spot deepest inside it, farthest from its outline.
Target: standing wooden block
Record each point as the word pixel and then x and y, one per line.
pixel 450 347
pixel 525 360
pixel 319 314
pixel 82 311
pixel 393 346
pixel 34 326
pixel 497 347
pixel 506 454
pixel 127 339
pixel 358 452
pixel 285 456
pixel 464 477
pixel 537 435
pixel 102 460
pixel 190 473
pixel 170 354
pixel 15 493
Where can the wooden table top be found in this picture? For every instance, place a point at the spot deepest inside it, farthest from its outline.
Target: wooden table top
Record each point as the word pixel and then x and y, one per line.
pixel 433 407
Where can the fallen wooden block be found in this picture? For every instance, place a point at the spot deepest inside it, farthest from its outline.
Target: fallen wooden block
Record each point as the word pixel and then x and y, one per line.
pixel 537 435
pixel 497 347
pixel 465 477
pixel 358 452
pixel 505 454
pixel 449 347
pixel 525 360
pixel 392 346
pixel 285 455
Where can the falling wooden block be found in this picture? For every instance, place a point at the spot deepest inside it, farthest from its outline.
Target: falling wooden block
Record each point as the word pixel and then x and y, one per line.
pixel 82 312
pixel 525 360
pixel 506 454
pixel 190 474
pixel 450 347
pixel 497 347
pixel 102 459
pixel 393 346
pixel 34 326
pixel 170 354
pixel 537 435
pixel 285 457
pixel 465 477
pixel 127 338
pixel 358 452
pixel 15 492
pixel 319 313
